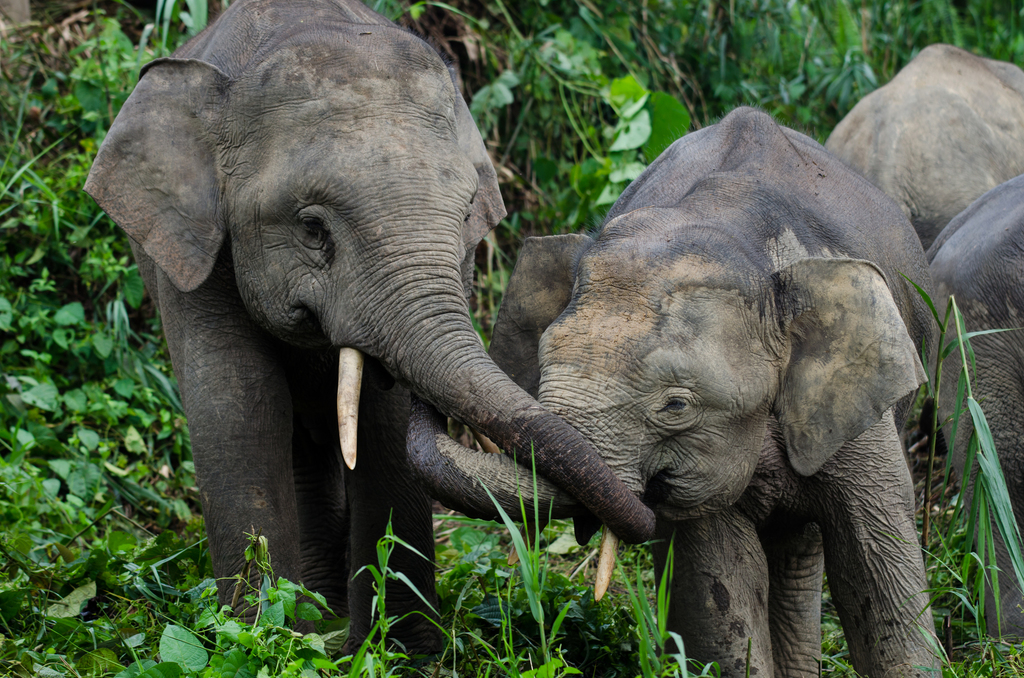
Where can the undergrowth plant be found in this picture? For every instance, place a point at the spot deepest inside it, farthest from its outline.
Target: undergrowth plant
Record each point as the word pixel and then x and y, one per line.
pixel 963 559
pixel 101 548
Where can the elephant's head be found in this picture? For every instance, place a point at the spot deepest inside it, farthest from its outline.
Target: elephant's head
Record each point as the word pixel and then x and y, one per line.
pixel 677 365
pixel 335 165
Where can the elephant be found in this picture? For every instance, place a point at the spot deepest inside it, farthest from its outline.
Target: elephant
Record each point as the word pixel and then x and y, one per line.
pixel 979 259
pixel 304 189
pixel 946 129
pixel 739 344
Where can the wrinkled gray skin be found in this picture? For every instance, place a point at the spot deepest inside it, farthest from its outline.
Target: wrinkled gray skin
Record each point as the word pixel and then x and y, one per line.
pixel 738 343
pixel 979 258
pixel 946 129
pixel 305 176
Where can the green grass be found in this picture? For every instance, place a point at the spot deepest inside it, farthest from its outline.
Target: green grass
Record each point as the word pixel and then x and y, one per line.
pixel 103 566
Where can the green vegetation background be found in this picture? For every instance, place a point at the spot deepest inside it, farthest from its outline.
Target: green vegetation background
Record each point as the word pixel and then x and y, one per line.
pixel 102 558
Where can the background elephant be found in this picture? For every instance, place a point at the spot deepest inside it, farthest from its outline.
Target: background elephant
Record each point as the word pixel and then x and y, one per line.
pixel 739 344
pixel 304 177
pixel 979 258
pixel 947 128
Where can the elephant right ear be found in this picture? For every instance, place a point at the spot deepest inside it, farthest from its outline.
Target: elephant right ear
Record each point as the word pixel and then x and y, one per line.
pixel 488 207
pixel 538 291
pixel 851 357
pixel 156 173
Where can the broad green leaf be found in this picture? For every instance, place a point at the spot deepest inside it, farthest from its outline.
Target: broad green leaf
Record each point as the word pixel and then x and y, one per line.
pixel 84 480
pixel 44 396
pixel 103 344
pixel 70 314
pixel 624 91
pixel 6 315
pixel 10 604
pixel 62 467
pixel 178 645
pixel 308 611
pixel 25 438
pixel 286 592
pixel 669 121
pixel 52 487
pixel 98 662
pixel 118 541
pixel 133 288
pixel 133 442
pixel 136 669
pixel 627 172
pixel 71 605
pixel 636 132
pixel 90 439
pixel 162 670
pixel 566 543
pixel 609 194
pixel 75 400
pixel 63 337
pixel 90 97
pixel 135 640
pixel 274 615
pixel 124 387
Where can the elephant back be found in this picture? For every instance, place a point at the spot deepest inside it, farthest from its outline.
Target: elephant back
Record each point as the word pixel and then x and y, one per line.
pixel 753 194
pixel 979 256
pixel 946 129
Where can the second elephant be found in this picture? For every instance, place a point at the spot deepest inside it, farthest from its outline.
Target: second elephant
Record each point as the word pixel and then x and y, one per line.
pixel 947 128
pixel 979 259
pixel 741 348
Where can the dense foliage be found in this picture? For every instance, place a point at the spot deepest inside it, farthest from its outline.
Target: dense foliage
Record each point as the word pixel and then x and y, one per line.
pixel 103 566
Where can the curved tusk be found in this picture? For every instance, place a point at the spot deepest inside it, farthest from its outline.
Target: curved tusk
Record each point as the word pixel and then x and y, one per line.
pixel 350 378
pixel 485 443
pixel 605 563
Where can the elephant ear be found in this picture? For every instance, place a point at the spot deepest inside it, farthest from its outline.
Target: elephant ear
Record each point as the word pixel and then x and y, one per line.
pixel 156 175
pixel 488 208
pixel 538 291
pixel 851 357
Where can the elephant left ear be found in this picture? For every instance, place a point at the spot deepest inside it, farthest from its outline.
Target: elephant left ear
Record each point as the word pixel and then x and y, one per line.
pixel 851 357
pixel 488 208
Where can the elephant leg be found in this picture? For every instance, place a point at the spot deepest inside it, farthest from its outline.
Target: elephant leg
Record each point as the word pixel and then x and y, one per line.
pixel 998 387
pixel 382 487
pixel 795 567
pixel 1010 621
pixel 719 600
pixel 323 509
pixel 864 503
pixel 239 411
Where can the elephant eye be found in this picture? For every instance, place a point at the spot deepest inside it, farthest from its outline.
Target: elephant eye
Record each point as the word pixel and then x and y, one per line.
pixel 315 227
pixel 674 405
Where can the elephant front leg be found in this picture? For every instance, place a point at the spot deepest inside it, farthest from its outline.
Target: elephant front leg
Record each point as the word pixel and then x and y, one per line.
pixel 239 413
pixel 323 509
pixel 865 507
pixel 719 602
pixel 795 567
pixel 381 489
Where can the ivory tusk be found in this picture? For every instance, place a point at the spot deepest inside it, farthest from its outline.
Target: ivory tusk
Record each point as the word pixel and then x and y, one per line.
pixel 605 563
pixel 350 378
pixel 485 443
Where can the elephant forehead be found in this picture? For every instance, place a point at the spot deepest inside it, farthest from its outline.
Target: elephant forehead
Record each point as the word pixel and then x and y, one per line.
pixel 311 82
pixel 692 335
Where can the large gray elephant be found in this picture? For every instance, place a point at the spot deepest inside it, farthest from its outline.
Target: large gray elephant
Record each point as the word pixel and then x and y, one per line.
pixel 946 129
pixel 979 258
pixel 741 347
pixel 303 181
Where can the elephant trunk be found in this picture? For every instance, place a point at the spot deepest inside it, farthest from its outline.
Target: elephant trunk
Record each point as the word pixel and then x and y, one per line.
pixel 425 338
pixel 445 467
